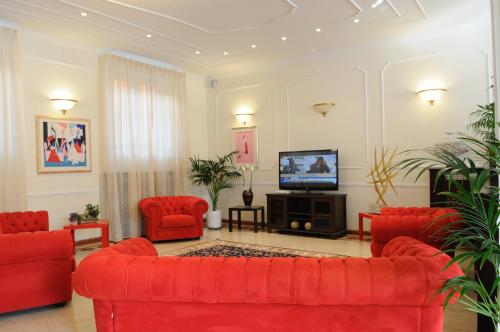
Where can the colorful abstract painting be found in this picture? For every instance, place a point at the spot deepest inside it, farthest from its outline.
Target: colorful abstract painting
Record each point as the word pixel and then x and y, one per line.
pixel 245 143
pixel 63 145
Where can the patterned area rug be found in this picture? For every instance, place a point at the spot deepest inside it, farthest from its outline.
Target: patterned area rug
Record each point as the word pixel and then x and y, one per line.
pixel 220 248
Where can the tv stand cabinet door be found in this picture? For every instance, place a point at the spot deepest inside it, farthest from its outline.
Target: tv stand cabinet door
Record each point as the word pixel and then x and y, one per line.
pixel 276 212
pixel 322 216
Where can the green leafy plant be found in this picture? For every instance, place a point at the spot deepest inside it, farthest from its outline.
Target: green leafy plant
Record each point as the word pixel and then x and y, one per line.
pixel 91 211
pixel 215 174
pixel 483 122
pixel 477 228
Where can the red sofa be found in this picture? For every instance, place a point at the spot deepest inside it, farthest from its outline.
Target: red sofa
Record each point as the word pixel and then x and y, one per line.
pixel 35 265
pixel 173 217
pixel 420 223
pixel 134 290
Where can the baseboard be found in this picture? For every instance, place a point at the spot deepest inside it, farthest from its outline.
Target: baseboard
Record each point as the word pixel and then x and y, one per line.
pixel 249 223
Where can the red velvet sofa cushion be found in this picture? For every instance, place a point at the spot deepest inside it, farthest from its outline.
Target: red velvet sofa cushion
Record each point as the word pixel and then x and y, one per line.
pixel 173 217
pixel 174 293
pixel 177 220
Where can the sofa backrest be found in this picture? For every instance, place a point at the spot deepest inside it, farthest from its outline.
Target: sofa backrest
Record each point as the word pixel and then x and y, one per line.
pixel 170 204
pixel 30 221
pixel 404 211
pixel 412 278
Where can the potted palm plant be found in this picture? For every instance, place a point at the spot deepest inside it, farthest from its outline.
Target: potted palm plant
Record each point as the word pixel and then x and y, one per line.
pixel 471 188
pixel 216 175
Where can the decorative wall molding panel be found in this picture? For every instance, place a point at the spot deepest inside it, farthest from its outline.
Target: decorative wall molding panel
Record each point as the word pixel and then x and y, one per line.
pixel 66 64
pixel 440 73
pixel 346 184
pixel 219 126
pixel 364 93
pixel 64 193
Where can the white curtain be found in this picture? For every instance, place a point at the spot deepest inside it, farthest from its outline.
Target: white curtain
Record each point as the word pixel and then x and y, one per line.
pixel 12 169
pixel 145 144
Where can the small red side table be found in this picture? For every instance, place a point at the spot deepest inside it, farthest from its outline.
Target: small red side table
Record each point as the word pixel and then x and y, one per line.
pixel 361 216
pixel 102 224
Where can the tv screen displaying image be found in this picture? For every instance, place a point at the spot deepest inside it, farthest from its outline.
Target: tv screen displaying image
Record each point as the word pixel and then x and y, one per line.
pixel 309 170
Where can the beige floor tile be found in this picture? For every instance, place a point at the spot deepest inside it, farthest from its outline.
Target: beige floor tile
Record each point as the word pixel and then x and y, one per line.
pixel 78 316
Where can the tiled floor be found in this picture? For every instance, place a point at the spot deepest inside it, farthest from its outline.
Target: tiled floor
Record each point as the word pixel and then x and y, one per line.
pixel 78 315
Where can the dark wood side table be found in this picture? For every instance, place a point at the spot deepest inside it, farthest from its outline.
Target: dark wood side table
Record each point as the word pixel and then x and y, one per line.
pixel 361 216
pixel 239 209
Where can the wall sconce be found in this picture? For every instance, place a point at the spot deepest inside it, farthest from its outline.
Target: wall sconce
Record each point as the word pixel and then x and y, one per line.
pixel 243 118
pixel 63 105
pixel 244 115
pixel 323 108
pixel 431 95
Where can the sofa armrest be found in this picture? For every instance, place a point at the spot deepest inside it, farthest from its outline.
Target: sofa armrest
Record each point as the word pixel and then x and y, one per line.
pixel 150 208
pixel 435 259
pixel 398 280
pixel 195 206
pixel 24 247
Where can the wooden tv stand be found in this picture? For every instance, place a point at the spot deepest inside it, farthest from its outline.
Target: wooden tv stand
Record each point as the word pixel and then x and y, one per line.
pixel 325 212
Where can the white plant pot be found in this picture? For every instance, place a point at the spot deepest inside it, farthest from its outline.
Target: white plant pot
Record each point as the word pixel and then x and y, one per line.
pixel 214 219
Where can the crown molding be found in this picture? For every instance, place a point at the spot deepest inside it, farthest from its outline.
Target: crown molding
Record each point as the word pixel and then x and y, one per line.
pixel 291 3
pixel 421 8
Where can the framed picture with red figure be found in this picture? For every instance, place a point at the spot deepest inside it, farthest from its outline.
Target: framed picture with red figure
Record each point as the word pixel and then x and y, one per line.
pixel 63 145
pixel 245 143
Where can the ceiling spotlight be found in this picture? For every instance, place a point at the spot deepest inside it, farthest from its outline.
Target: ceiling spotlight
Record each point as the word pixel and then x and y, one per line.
pixel 197 52
pixel 148 35
pixel 377 3
pixel 226 53
pixel 83 14
pixel 356 18
pixel 254 46
pixel 318 29
pixel 283 38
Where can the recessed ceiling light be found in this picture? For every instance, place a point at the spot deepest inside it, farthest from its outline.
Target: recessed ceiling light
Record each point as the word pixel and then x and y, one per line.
pixel 283 38
pixel 197 52
pixel 148 35
pixel 83 14
pixel 318 29
pixel 377 3
pixel 226 53
pixel 254 46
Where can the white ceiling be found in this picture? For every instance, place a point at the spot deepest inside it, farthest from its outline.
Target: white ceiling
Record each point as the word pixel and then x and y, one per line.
pixel 180 28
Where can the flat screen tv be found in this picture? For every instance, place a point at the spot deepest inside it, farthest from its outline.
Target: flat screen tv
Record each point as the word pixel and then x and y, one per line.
pixel 309 170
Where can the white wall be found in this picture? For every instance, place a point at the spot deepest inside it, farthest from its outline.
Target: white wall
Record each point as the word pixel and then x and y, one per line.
pixel 373 87
pixel 48 67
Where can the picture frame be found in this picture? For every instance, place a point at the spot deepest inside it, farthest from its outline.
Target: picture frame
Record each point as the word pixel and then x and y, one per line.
pixel 63 145
pixel 246 143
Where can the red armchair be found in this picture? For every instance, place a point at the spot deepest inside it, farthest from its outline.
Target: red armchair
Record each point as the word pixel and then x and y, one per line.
pixel 134 290
pixel 420 223
pixel 35 265
pixel 173 217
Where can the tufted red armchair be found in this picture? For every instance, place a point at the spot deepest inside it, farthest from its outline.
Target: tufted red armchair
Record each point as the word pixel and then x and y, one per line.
pixel 35 265
pixel 421 223
pixel 173 217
